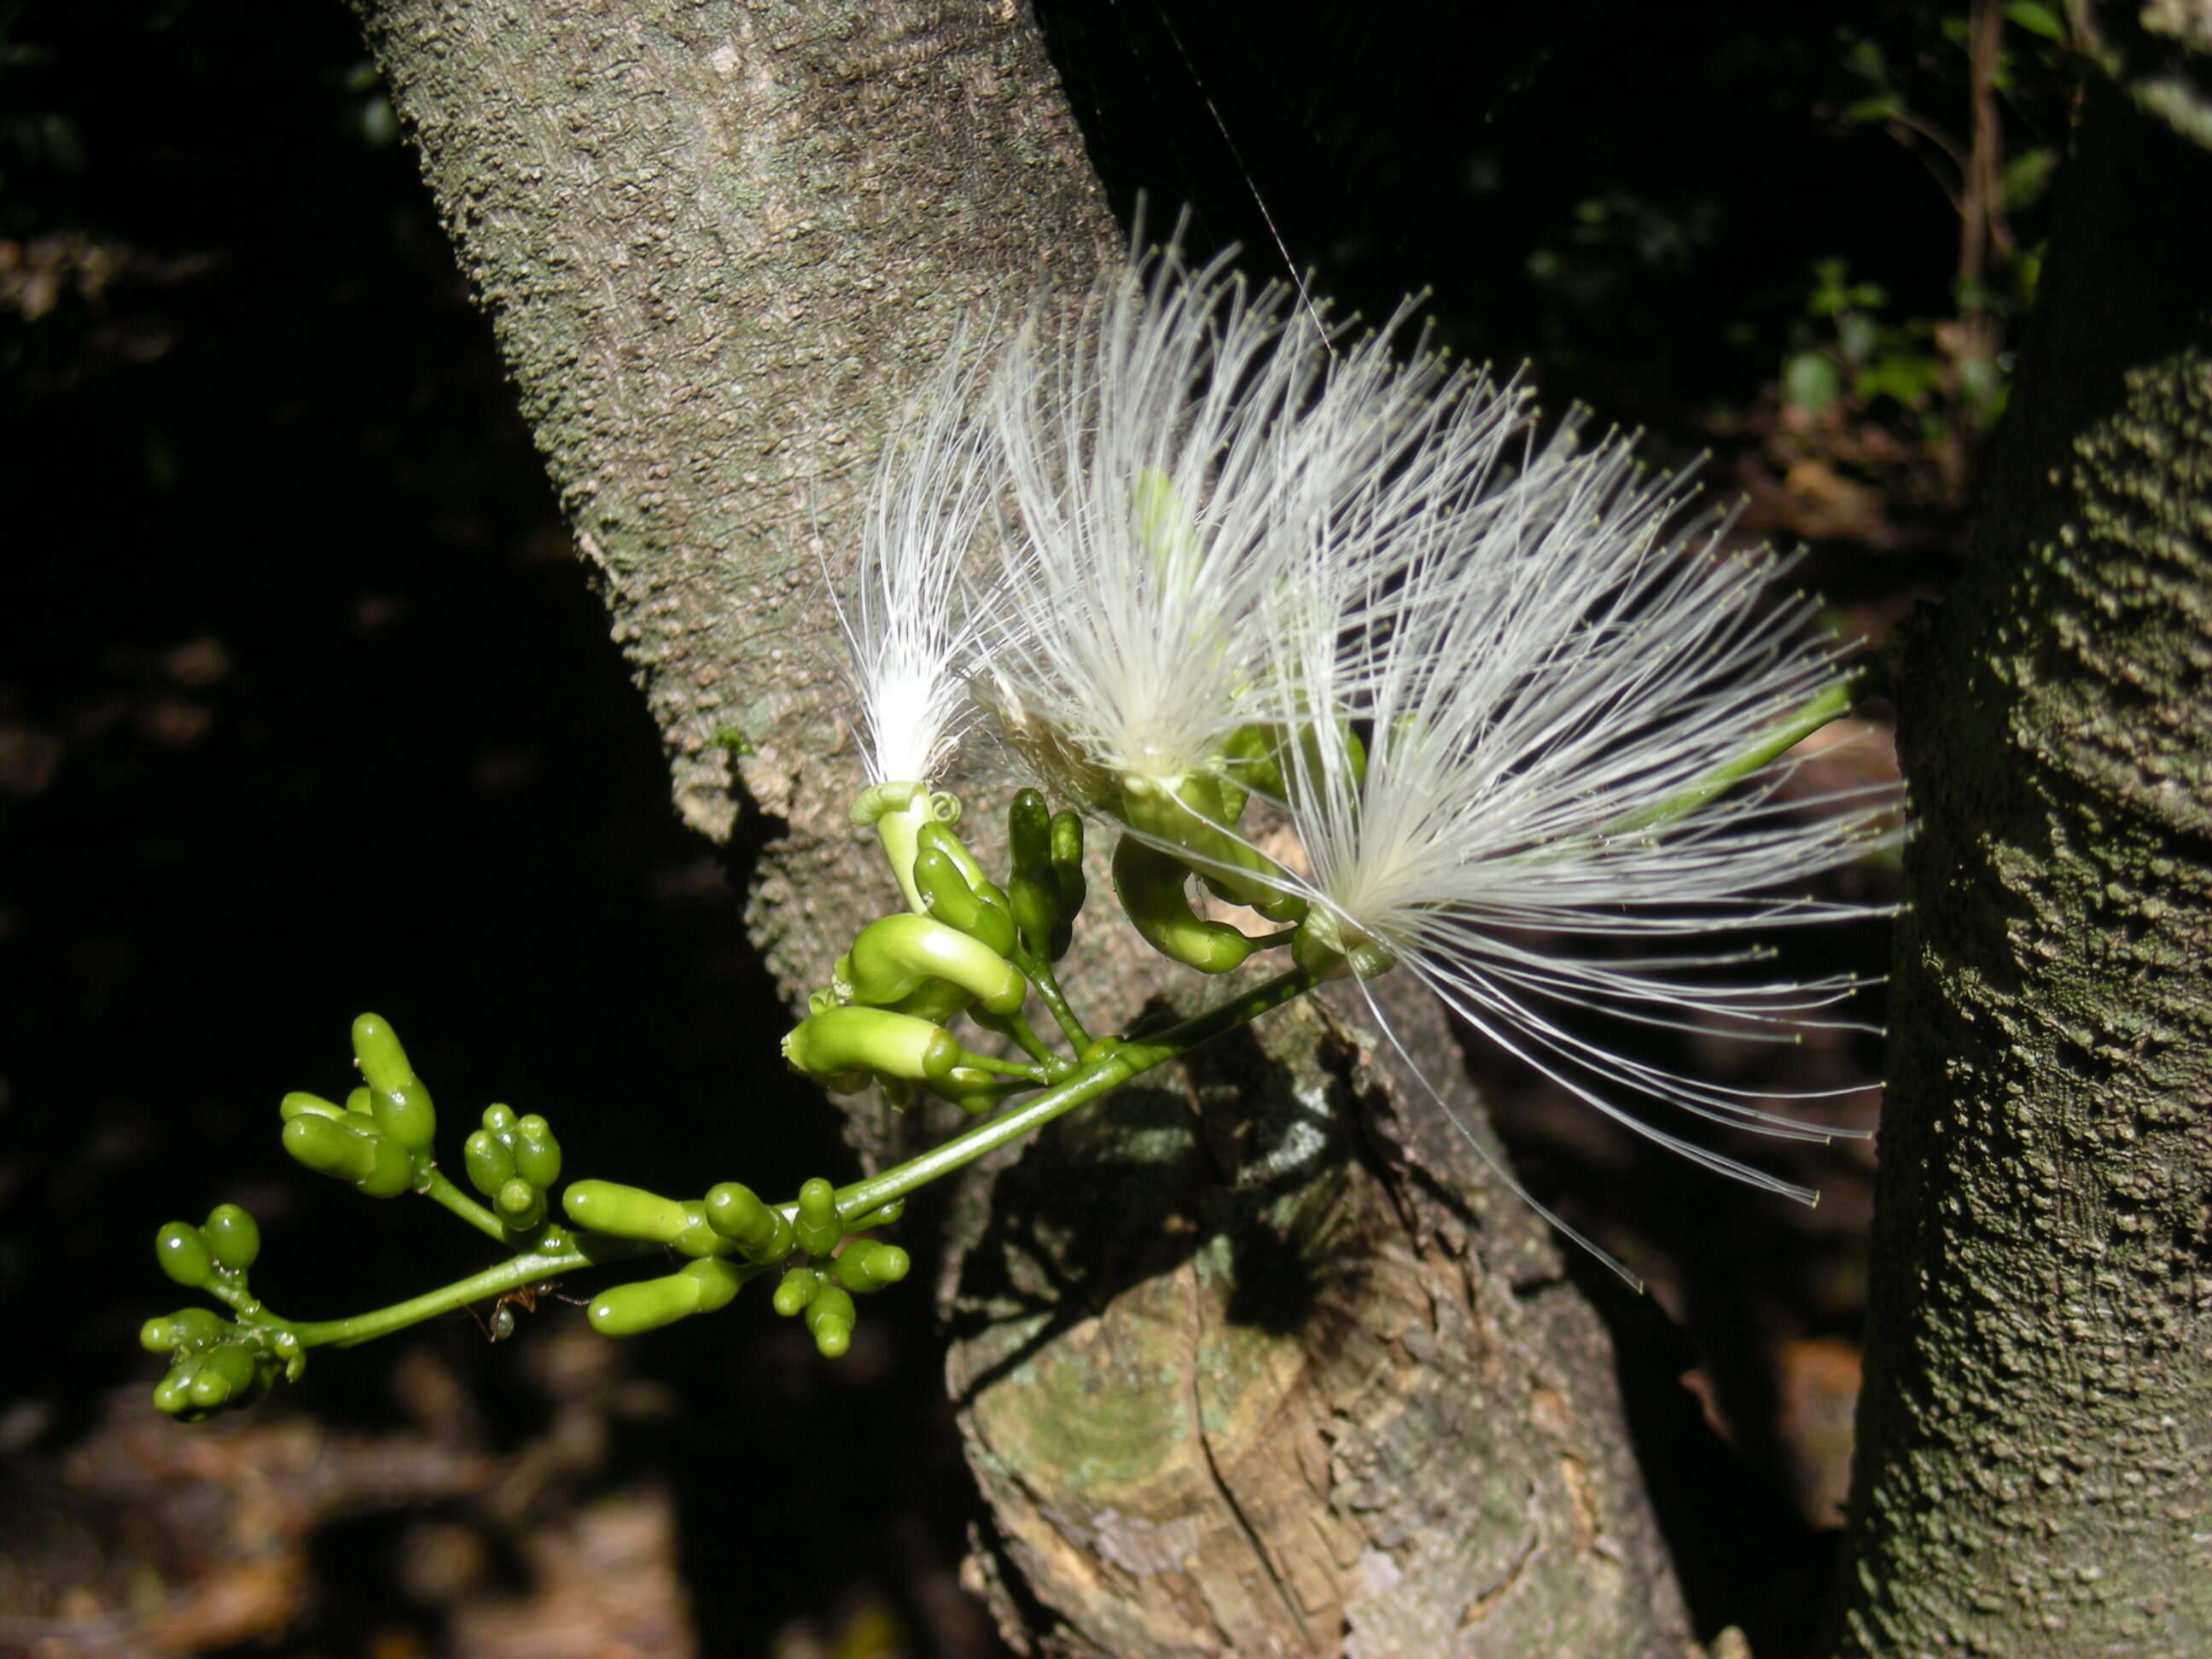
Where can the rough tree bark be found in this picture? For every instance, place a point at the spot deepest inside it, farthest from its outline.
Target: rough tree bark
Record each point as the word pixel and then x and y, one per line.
pixel 1257 1362
pixel 2035 1437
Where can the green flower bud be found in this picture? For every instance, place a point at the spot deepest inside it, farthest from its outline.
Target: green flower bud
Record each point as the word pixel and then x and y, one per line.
pixel 796 1291
pixel 958 894
pixel 173 1394
pixel 866 1265
pixel 698 1287
pixel 187 1327
pixel 632 1309
pixel 232 1235
pixel 376 1050
pixel 300 1101
pixel 947 894
pixel 405 1113
pixel 488 1161
pixel 939 837
pixel 760 1233
pixel 1153 890
pixel 817 1229
pixel 369 1159
pixel 537 1154
pixel 226 1373
pixel 842 1042
pixel 607 1206
pixel 1067 859
pixel 830 1319
pixel 358 1100
pixel 1028 833
pixel 183 1254
pixel 520 1205
pixel 397 1097
pixel 898 955
pixel 1035 902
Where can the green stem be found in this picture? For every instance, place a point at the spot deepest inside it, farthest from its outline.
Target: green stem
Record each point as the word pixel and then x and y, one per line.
pixel 1108 1071
pixel 1003 1067
pixel 562 1252
pixel 1024 1034
pixel 441 1190
pixel 1047 985
pixel 588 1250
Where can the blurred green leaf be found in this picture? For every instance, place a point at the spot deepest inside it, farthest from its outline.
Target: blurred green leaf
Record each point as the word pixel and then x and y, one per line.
pixel 1982 386
pixel 1904 378
pixel 1886 107
pixel 2027 176
pixel 2035 19
pixel 1811 381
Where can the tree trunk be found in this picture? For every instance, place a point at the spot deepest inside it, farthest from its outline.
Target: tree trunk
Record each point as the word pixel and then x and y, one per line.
pixel 1258 1360
pixel 2035 1436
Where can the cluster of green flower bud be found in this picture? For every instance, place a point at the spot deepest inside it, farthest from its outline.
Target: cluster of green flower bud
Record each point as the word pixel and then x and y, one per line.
pixel 380 1139
pixel 969 946
pixel 733 1236
pixel 215 1362
pixel 513 1161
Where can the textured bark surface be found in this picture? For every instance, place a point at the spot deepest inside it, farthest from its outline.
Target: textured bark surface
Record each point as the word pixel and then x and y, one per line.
pixel 1296 1376
pixel 1259 1361
pixel 2035 1475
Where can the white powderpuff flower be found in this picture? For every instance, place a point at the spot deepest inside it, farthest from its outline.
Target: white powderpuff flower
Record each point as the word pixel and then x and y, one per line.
pixel 1169 459
pixel 908 611
pixel 1572 719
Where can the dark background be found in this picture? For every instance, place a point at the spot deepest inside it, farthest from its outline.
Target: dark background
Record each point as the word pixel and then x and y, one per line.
pixel 306 708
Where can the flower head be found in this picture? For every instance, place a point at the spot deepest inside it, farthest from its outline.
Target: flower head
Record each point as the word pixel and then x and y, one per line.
pixel 1546 722
pixel 1169 463
pixel 909 615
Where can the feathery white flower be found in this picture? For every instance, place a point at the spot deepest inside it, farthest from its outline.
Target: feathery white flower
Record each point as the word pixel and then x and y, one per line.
pixel 909 617
pixel 1170 465
pixel 1553 690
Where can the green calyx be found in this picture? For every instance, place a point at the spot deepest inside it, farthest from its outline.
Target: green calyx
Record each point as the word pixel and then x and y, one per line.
pixel 1256 761
pixel 1191 814
pixel 1325 948
pixel 1153 888
pixel 898 812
